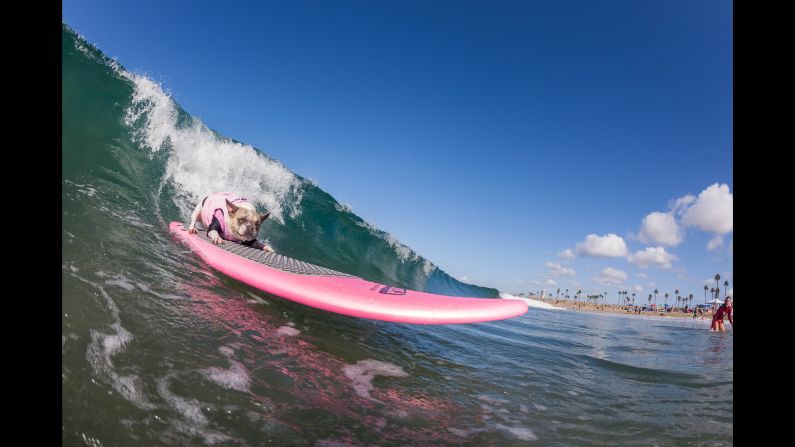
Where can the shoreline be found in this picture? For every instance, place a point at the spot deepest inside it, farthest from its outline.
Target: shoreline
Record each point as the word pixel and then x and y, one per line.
pixel 619 309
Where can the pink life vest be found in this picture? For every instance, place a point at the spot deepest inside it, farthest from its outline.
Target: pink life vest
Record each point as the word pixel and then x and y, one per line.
pixel 215 205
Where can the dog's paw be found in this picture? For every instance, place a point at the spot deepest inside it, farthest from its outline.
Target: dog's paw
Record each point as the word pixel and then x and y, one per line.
pixel 192 230
pixel 217 241
pixel 267 249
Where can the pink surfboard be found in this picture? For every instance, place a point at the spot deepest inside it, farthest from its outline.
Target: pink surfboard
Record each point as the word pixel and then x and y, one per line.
pixel 338 292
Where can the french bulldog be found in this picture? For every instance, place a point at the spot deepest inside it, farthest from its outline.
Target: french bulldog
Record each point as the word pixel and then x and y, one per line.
pixel 229 216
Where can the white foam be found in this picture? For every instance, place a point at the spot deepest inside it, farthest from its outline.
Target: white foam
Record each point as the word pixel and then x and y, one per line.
pixel 461 433
pixel 362 373
pixel 525 434
pixel 194 421
pixel 121 282
pixel 343 207
pixel 236 377
pixel 530 302
pixel 503 414
pixel 288 331
pixel 127 284
pixel 189 408
pixel 428 267
pixel 403 252
pixel 201 162
pixel 104 346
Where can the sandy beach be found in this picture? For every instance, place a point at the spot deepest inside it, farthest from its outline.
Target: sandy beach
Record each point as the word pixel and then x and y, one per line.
pixel 618 309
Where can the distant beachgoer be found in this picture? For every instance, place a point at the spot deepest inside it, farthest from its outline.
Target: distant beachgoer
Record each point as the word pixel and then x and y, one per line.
pixel 725 310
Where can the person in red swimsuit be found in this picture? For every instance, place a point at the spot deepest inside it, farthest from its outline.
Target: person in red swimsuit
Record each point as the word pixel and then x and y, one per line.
pixel 723 311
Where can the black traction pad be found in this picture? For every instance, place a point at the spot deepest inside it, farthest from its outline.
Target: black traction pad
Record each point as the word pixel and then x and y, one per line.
pixel 274 260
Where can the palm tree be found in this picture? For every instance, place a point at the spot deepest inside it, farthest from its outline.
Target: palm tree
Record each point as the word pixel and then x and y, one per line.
pixel 650 300
pixel 557 294
pixel 691 299
pixel 717 285
pixel 655 296
pixel 705 293
pixel 725 288
pixel 666 298
pixel 676 292
pixel 579 292
pixel 567 294
pixel 712 292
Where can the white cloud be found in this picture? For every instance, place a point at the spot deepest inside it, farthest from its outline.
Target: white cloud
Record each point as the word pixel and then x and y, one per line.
pixel 679 206
pixel 642 275
pixel 557 269
pixel 566 254
pixel 609 246
pixel 652 256
pixel 638 288
pixel 550 282
pixel 661 228
pixel 712 211
pixel 715 242
pixel 610 276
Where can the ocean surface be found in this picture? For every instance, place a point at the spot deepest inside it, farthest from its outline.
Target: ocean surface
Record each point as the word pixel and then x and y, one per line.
pixel 159 349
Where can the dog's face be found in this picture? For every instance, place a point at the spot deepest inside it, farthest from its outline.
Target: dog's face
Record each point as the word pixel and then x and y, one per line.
pixel 244 222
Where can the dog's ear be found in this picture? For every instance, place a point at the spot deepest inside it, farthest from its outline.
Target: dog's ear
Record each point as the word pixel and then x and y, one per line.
pixel 230 207
pixel 262 217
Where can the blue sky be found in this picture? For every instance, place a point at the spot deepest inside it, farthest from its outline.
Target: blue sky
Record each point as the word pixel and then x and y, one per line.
pixel 487 136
